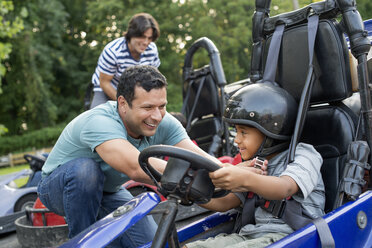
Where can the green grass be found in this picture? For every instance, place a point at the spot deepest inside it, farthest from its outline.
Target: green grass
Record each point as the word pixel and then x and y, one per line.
pixel 8 170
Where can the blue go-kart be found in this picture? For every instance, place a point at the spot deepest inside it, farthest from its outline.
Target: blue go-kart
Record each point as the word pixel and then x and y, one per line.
pixel 334 115
pixel 15 199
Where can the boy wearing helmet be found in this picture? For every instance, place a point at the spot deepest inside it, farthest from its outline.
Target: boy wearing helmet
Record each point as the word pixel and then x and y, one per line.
pixel 264 116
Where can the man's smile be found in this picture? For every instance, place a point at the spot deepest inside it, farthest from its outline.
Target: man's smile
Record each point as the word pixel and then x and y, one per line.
pixel 149 124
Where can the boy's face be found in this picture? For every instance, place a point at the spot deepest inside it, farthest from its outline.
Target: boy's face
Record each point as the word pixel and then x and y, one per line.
pixel 249 140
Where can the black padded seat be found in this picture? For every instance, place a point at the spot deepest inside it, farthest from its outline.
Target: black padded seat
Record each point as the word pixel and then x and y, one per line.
pixel 204 100
pixel 201 90
pixel 202 107
pixel 330 129
pixel 331 63
pixel 203 130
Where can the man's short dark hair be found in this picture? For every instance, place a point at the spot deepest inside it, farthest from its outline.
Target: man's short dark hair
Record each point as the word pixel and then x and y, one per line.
pixel 144 76
pixel 139 23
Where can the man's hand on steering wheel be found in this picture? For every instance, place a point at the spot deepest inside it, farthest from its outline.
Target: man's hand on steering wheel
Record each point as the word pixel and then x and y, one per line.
pixel 194 161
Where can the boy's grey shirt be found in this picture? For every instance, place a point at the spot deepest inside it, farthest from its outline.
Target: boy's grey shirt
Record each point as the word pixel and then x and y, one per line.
pixel 305 170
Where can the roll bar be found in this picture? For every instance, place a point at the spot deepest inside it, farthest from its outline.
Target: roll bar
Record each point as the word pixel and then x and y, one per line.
pixel 214 55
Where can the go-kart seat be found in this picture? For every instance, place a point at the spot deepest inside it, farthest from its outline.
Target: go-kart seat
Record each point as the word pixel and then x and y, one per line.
pixel 202 107
pixel 330 129
pixel 329 125
pixel 204 99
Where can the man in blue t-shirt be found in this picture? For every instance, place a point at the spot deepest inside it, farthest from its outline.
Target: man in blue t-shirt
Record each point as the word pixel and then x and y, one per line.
pixel 98 151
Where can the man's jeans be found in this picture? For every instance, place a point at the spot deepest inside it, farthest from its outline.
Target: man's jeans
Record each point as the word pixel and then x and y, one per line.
pixel 75 190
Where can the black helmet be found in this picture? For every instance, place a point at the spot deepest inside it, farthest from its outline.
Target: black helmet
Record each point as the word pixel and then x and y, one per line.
pixel 267 107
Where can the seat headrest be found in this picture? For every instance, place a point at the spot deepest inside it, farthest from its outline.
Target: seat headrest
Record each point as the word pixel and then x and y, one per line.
pixel 331 63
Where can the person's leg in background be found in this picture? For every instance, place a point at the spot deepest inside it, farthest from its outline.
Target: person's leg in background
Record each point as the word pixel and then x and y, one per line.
pixel 99 97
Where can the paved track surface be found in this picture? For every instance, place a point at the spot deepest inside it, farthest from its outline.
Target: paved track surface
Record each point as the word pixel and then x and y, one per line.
pixel 9 240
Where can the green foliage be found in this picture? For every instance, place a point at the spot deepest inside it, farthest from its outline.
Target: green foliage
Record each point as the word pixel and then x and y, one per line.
pixel 3 129
pixel 45 137
pixel 9 27
pixel 43 71
pixel 365 8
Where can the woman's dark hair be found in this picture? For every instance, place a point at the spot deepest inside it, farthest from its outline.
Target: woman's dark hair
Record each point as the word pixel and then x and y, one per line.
pixel 144 76
pixel 139 23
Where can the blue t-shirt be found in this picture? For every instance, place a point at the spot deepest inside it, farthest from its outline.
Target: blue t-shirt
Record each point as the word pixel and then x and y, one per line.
pixel 93 127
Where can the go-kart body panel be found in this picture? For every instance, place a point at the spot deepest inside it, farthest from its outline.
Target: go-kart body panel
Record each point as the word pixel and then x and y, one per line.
pixel 107 229
pixel 10 196
pixel 343 223
pixel 5 179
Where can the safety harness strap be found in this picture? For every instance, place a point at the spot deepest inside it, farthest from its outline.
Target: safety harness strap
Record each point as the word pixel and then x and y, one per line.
pixel 248 209
pixel 325 235
pixel 294 216
pixel 289 210
pixel 273 54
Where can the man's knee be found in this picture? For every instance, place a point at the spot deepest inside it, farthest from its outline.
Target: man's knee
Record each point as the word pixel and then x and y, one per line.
pixel 88 168
pixel 87 174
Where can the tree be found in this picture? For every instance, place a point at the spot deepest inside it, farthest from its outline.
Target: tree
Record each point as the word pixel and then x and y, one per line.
pixel 365 8
pixel 27 102
pixel 10 25
pixel 3 129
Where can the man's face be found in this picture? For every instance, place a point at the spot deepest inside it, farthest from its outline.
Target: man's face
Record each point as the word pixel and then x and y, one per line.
pixel 146 113
pixel 137 45
pixel 249 140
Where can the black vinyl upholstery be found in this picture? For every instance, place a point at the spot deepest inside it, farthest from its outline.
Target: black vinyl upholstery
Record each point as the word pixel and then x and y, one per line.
pixel 203 130
pixel 331 63
pixel 207 103
pixel 330 129
pixel 205 119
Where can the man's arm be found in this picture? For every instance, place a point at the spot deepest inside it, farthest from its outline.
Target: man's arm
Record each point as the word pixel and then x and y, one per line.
pixel 105 84
pixel 222 204
pixel 123 157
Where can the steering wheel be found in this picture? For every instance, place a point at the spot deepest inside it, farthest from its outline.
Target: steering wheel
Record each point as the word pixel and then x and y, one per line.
pixel 36 163
pixel 196 161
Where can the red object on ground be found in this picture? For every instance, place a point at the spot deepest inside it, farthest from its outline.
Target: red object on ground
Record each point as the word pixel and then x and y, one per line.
pixel 51 218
